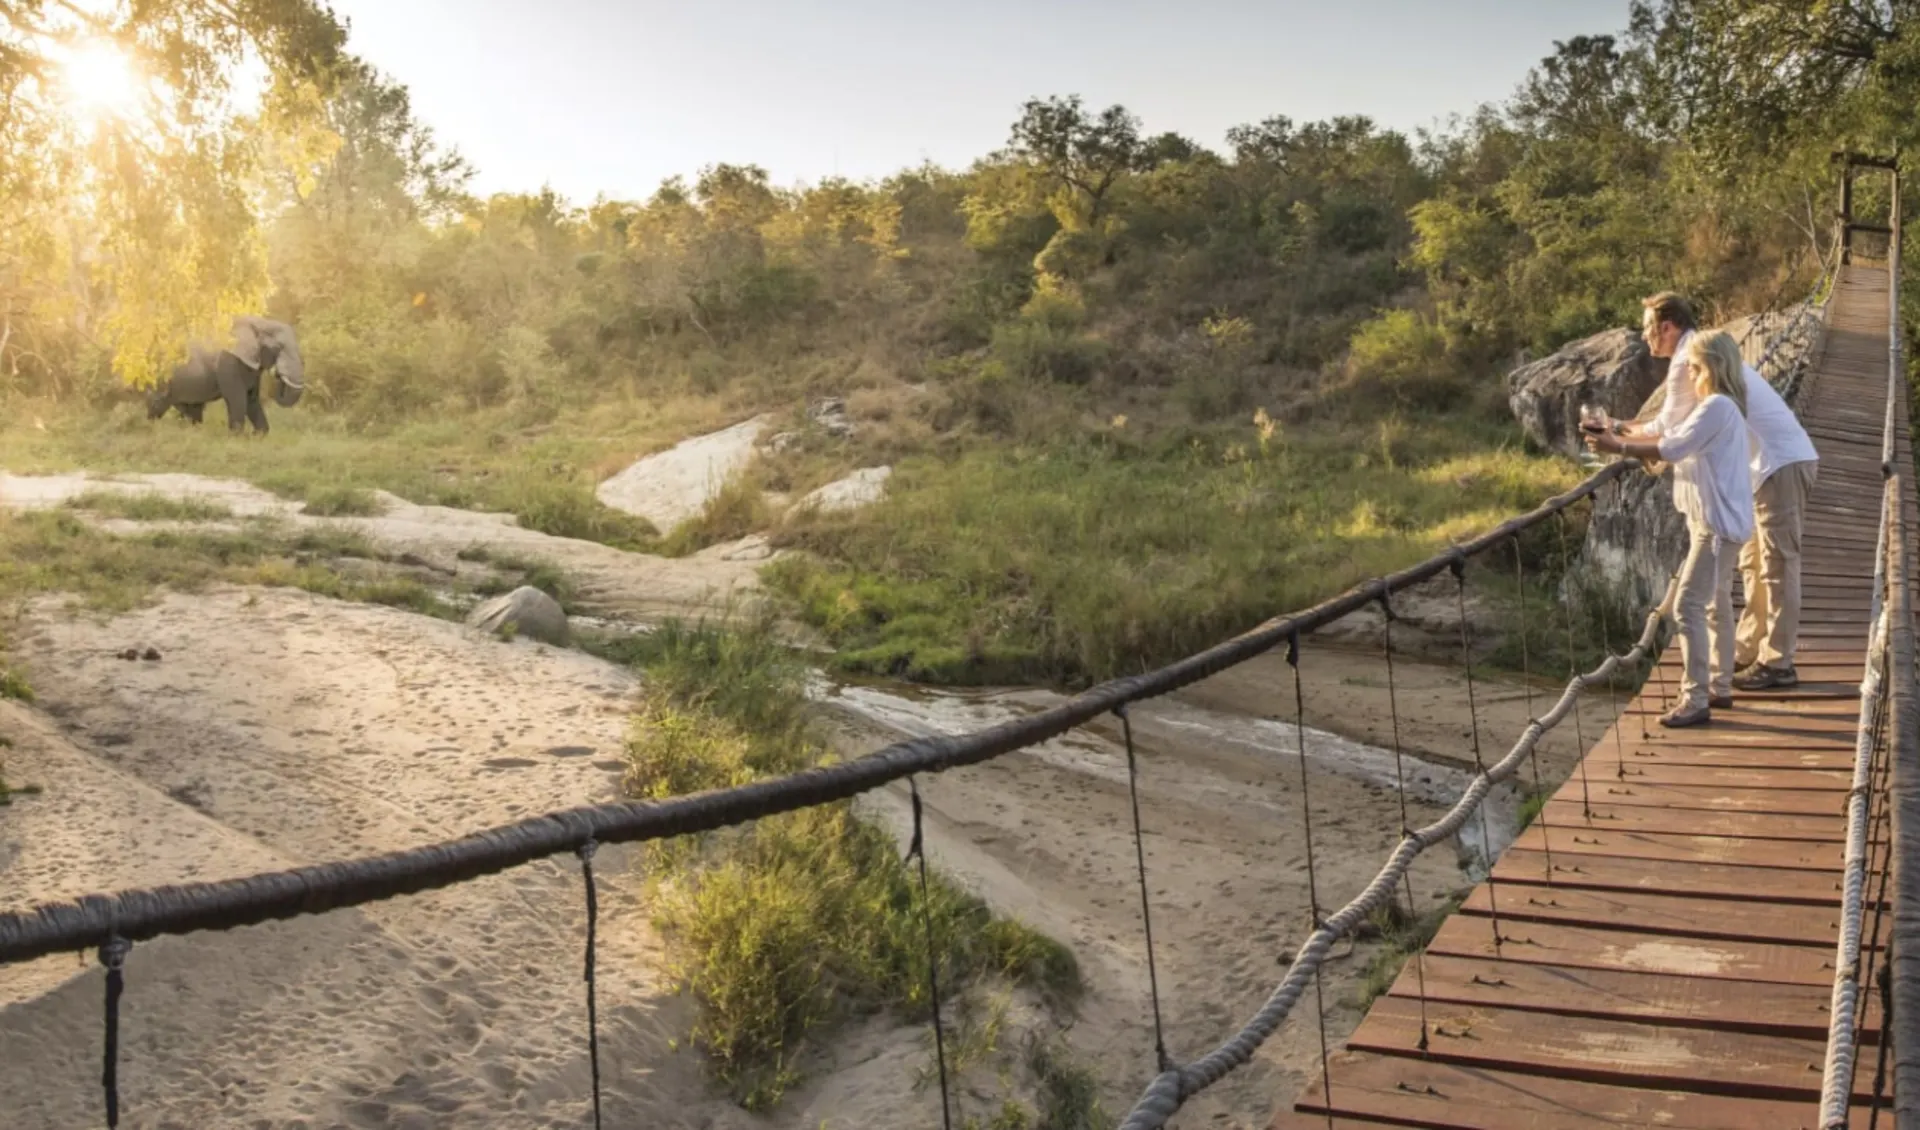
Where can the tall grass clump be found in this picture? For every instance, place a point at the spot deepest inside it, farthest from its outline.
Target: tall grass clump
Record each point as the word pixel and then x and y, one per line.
pixel 788 925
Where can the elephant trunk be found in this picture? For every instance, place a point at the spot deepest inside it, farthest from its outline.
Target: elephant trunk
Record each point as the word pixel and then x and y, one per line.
pixel 291 381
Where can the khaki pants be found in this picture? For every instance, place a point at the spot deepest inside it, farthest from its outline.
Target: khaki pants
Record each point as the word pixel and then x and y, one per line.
pixel 1704 616
pixel 1770 568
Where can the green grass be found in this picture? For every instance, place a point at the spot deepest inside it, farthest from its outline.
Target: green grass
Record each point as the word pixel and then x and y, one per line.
pixel 1402 934
pixel 335 501
pixel 55 551
pixel 147 506
pixel 1530 810
pixel 785 927
pixel 485 460
pixel 518 569
pixel 737 509
pixel 1095 558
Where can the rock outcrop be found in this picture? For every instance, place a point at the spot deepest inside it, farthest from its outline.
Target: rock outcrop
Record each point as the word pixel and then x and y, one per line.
pixel 526 611
pixel 1611 369
pixel 671 486
pixel 1635 538
pixel 860 488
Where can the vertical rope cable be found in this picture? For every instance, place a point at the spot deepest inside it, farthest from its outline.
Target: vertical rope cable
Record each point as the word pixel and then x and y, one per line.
pixel 113 955
pixel 1613 701
pixel 917 849
pixel 1886 1040
pixel 1313 879
pixel 585 852
pixel 1526 685
pixel 1406 825
pixel 1479 761
pixel 1573 672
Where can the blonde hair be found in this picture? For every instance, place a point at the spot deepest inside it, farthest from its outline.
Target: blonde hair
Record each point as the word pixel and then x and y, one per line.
pixel 1720 356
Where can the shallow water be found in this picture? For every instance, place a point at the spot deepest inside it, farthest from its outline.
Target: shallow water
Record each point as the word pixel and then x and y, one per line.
pixel 1173 726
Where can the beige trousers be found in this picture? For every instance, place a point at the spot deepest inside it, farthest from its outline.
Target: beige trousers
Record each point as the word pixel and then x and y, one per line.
pixel 1770 568
pixel 1704 616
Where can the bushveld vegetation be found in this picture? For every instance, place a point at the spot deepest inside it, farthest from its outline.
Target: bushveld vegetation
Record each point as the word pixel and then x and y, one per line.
pixel 1141 390
pixel 1066 344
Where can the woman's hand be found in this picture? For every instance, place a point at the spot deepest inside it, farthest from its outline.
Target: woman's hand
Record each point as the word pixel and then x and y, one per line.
pixel 1605 441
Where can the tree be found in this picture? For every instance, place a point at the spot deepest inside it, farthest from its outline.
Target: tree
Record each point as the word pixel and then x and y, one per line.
pixel 1743 78
pixel 120 237
pixel 1083 153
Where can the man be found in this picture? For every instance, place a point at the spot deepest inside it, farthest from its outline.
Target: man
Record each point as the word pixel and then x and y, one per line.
pixel 1783 469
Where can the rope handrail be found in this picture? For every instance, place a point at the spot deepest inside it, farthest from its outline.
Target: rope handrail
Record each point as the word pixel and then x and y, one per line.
pixel 1836 1087
pixel 1170 1089
pixel 249 900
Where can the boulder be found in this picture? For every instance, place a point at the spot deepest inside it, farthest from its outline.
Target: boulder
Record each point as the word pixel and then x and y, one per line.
pixel 526 611
pixel 1635 538
pixel 861 488
pixel 1612 369
pixel 830 416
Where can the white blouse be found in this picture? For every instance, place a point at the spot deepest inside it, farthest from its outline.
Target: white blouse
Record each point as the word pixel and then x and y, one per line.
pixel 1712 484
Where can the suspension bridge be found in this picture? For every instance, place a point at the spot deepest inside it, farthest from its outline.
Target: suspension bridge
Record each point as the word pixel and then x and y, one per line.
pixel 1703 929
pixel 1661 946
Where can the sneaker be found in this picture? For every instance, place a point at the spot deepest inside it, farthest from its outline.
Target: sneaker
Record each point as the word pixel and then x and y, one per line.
pixel 1682 716
pixel 1765 677
pixel 1721 702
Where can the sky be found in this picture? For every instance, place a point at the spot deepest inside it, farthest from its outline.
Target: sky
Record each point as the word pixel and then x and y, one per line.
pixel 613 96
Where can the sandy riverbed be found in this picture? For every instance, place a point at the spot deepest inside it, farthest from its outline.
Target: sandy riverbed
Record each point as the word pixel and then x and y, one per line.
pixel 282 728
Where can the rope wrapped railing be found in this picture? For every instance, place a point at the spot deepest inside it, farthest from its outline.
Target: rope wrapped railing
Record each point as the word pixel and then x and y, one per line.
pixel 1836 1087
pixel 1882 681
pixel 1170 1089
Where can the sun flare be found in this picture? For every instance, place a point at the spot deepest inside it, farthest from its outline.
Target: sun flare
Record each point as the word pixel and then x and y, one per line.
pixel 101 81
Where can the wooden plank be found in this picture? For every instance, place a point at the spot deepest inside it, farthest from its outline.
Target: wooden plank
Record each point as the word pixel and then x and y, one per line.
pixel 1644 912
pixel 1673 847
pixel 1616 1053
pixel 1652 772
pixel 1677 1000
pixel 1567 818
pixel 1603 763
pixel 1706 880
pixel 1807 802
pixel 1394 1091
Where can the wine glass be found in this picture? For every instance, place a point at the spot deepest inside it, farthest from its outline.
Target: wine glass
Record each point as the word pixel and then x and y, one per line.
pixel 1594 421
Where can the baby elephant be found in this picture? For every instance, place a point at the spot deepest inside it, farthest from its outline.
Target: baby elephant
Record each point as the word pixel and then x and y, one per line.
pixel 234 375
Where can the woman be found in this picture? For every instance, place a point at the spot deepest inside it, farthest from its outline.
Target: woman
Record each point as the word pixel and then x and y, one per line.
pixel 1712 487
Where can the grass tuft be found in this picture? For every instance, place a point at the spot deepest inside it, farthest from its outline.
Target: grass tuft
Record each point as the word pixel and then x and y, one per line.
pixel 1402 934
pixel 343 502
pixel 785 927
pixel 148 506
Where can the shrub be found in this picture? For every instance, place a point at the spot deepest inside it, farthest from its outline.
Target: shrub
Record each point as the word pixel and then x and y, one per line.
pixel 1404 354
pixel 789 924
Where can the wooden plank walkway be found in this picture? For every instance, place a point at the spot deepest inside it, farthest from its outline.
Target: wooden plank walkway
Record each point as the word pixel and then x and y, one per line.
pixel 1663 954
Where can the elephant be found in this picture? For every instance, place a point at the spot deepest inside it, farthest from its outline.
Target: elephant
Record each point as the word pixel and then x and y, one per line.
pixel 234 376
